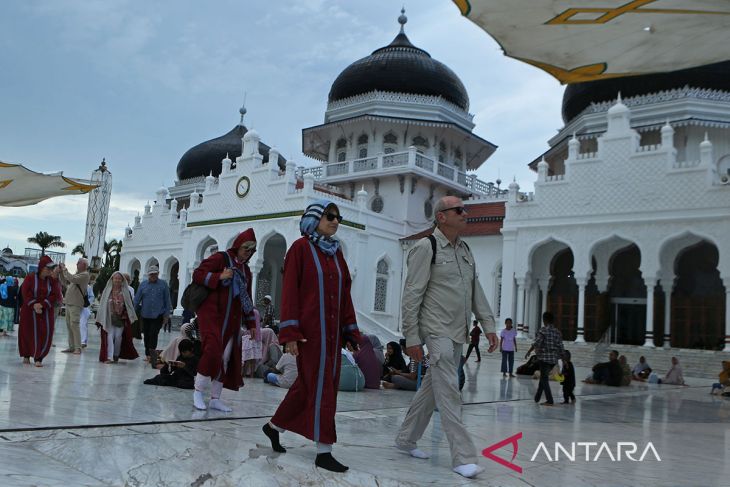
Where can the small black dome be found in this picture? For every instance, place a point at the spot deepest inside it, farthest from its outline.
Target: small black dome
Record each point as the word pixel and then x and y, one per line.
pixel 206 157
pixel 400 67
pixel 7 251
pixel 579 95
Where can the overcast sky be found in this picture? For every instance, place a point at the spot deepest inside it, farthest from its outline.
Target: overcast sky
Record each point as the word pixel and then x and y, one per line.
pixel 141 82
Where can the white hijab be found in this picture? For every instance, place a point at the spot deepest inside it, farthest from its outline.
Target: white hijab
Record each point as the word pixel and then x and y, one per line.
pixel 103 316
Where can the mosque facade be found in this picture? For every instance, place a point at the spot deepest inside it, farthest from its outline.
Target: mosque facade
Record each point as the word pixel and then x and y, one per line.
pixel 623 238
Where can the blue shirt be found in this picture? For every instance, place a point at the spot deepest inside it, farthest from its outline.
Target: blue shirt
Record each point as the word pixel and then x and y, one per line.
pixel 155 299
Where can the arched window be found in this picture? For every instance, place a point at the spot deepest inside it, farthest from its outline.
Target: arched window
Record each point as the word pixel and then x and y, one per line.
pixel 377 204
pixel 390 143
pixel 362 146
pixel 442 152
pixel 341 150
pixel 381 286
pixel 420 143
pixel 457 157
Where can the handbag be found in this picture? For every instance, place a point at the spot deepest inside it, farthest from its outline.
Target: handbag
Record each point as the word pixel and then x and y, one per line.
pixel 86 297
pixel 195 293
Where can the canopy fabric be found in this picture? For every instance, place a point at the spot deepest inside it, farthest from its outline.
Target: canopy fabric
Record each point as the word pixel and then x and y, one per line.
pixel 19 186
pixel 586 40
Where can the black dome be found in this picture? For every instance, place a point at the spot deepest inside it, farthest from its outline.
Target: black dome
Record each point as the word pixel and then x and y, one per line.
pixel 579 95
pixel 206 157
pixel 400 67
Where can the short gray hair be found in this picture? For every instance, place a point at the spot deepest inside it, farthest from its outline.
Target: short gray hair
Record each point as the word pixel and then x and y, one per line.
pixel 84 260
pixel 438 208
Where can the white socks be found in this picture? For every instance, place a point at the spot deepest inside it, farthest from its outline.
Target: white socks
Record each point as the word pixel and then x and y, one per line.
pixel 323 448
pixel 468 470
pixel 198 401
pixel 219 405
pixel 415 453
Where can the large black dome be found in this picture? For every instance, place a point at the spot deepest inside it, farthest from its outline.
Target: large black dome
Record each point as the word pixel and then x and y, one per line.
pixel 579 95
pixel 206 157
pixel 400 67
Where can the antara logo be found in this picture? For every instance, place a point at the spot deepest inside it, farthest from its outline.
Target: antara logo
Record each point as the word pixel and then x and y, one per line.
pixel 592 452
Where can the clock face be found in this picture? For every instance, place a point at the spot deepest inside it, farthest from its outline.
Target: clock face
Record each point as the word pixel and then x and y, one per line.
pixel 243 186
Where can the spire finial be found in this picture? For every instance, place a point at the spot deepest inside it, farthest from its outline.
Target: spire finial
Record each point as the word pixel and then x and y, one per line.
pixel 243 110
pixel 402 19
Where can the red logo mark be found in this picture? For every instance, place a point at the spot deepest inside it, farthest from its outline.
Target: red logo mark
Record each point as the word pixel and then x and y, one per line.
pixel 512 440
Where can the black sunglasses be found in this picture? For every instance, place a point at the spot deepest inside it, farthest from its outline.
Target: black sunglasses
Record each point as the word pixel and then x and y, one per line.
pixel 458 209
pixel 332 216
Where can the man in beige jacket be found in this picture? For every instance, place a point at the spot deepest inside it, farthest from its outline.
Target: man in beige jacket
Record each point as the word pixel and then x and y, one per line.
pixel 441 293
pixel 74 299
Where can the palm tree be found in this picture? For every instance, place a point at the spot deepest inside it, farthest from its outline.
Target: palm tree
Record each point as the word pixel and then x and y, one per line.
pixel 44 241
pixel 79 249
pixel 112 251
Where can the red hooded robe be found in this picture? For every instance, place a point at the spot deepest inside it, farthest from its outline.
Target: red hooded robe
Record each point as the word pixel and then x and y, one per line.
pixel 316 306
pixel 35 333
pixel 220 315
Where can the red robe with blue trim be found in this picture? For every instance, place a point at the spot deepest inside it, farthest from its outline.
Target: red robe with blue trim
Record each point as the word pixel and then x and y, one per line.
pixel 219 320
pixel 316 306
pixel 35 333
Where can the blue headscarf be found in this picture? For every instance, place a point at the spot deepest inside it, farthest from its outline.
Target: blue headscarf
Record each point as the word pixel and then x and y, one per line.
pixel 309 223
pixel 9 282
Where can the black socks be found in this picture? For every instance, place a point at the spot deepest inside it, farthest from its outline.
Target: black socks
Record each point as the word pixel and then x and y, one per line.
pixel 274 437
pixel 327 462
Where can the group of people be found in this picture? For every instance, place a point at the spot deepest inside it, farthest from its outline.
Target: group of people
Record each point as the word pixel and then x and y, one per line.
pixel 616 372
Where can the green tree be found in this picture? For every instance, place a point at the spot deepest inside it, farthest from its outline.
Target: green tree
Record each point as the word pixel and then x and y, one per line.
pixel 112 255
pixel 45 241
pixel 79 249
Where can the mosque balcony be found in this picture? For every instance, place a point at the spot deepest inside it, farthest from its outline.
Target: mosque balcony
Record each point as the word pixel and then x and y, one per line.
pixel 405 162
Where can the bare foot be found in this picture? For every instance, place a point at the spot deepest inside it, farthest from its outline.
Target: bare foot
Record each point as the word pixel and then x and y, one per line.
pixel 388 385
pixel 39 364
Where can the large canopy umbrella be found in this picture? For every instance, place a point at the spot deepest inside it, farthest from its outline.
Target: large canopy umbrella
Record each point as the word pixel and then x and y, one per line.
pixel 19 186
pixel 585 40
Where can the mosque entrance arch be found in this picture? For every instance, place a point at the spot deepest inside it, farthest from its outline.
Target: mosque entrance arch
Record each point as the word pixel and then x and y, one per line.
pixel 627 296
pixel 269 279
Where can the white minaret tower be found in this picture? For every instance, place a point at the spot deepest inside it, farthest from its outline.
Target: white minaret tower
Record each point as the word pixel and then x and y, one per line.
pixel 97 215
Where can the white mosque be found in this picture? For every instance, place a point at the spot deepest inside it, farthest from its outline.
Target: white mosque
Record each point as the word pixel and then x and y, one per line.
pixel 622 238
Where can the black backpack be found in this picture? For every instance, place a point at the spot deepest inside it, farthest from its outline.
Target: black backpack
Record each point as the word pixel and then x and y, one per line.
pixel 432 239
pixel 195 293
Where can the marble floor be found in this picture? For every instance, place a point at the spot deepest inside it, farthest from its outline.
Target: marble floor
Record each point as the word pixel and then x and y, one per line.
pixel 78 422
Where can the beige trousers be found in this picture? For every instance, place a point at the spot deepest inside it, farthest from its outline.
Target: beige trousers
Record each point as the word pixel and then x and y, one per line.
pixel 73 317
pixel 439 388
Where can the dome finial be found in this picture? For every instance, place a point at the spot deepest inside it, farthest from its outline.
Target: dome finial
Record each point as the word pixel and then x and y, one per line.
pixel 243 110
pixel 402 19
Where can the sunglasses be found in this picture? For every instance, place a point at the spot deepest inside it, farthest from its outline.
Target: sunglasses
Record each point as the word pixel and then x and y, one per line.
pixel 333 216
pixel 458 209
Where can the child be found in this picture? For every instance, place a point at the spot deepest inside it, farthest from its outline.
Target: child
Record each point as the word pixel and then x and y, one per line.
pixel 568 378
pixel 286 372
pixel 181 372
pixel 508 347
pixel 474 342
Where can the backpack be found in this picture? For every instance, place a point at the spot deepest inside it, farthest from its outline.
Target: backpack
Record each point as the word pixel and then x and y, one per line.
pixel 195 293
pixel 432 239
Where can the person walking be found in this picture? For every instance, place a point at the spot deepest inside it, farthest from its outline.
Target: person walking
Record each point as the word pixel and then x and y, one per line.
pixel 317 315
pixel 474 343
pixel 548 347
pixel 153 297
pixel 441 293
pixel 75 298
pixel 40 291
pixel 508 347
pixel 8 303
pixel 220 315
pixel 114 320
pixel 85 315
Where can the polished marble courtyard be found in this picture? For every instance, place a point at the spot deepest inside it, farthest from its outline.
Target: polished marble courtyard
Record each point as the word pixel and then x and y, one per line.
pixel 77 422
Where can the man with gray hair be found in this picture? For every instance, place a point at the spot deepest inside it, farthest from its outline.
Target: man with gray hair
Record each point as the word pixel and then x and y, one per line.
pixel 441 293
pixel 76 290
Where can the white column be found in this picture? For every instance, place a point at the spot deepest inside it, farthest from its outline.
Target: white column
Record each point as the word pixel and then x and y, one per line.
pixel 520 302
pixel 183 277
pixel 667 288
pixel 649 334
pixel 581 281
pixel 727 315
pixel 255 269
pixel 508 277
pixel 530 312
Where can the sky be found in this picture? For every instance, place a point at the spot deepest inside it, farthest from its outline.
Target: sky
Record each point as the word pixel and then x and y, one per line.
pixel 139 83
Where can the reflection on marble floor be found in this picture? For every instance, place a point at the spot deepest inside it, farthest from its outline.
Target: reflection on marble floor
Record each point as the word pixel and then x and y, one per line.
pixel 79 422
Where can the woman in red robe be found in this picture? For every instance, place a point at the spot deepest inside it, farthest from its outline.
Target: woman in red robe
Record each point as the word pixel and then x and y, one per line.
pixel 227 276
pixel 317 315
pixel 40 291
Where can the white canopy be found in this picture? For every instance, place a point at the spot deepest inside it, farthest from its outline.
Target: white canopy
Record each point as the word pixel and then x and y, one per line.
pixel 585 40
pixel 19 186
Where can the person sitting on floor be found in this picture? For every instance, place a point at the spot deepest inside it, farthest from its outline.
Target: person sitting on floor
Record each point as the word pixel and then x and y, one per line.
pixel 270 353
pixel 377 348
pixel 285 372
pixel 674 375
pixel 351 377
pixel 179 373
pixel 607 373
pixel 625 371
pixel 641 370
pixel 408 380
pixel 393 360
pixel 367 361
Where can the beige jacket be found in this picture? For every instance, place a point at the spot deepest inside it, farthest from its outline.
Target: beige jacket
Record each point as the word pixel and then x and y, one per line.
pixel 74 293
pixel 439 299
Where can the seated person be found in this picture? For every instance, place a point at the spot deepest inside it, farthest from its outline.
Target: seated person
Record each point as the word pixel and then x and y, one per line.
pixel 641 370
pixel 181 372
pixel 367 361
pixel 529 367
pixel 285 372
pixel 625 371
pixel 377 348
pixel 270 353
pixel 393 360
pixel 407 380
pixel 607 373
pixel 170 353
pixel 674 375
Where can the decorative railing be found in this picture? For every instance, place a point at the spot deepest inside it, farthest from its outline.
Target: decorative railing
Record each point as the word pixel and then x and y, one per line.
pixel 394 160
pixel 315 171
pixel 367 164
pixel 424 162
pixel 445 171
pixel 685 164
pixel 338 169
